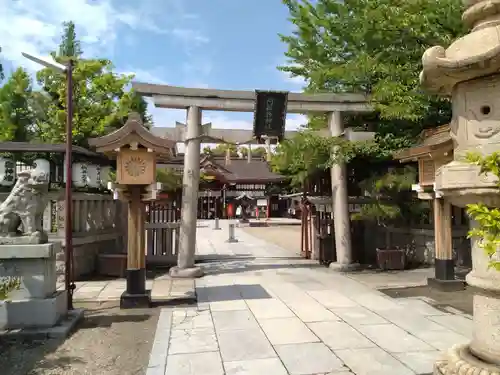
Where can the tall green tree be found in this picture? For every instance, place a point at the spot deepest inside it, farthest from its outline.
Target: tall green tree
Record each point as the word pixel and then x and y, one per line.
pixel 101 100
pixel 1 68
pixel 70 46
pixel 373 47
pixel 16 113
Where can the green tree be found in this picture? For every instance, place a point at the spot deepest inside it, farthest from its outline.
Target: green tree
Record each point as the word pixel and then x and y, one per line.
pixel 221 149
pixel 373 47
pixel 207 151
pixel 16 114
pixel 392 200
pixel 487 218
pixel 101 101
pixel 170 178
pixel 8 285
pixel 70 46
pixel 259 151
pixel 1 68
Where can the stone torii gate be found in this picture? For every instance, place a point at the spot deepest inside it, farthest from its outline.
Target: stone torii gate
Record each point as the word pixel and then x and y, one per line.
pixel 195 100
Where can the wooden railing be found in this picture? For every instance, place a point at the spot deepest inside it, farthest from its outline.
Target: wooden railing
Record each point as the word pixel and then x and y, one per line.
pixel 162 233
pixel 162 243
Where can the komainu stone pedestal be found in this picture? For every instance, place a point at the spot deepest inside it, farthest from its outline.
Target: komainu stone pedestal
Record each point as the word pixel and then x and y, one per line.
pixel 460 361
pixel 36 304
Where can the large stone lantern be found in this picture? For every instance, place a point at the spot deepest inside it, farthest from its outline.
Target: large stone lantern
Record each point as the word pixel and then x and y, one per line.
pixel 469 71
pixel 135 150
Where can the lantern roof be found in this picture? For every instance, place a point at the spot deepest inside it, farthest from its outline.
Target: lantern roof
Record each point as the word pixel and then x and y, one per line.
pixel 133 134
pixel 432 141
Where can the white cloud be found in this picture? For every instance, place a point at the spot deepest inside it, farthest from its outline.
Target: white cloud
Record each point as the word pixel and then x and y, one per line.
pixel 34 26
pixel 190 36
pixel 148 76
pixel 297 80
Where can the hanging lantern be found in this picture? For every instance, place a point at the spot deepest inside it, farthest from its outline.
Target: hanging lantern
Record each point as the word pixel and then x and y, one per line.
pixel 93 175
pixel 7 172
pixel 104 176
pixel 42 165
pixel 80 176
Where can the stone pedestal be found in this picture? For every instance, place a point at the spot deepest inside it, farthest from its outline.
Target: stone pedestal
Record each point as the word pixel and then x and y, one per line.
pixel 36 304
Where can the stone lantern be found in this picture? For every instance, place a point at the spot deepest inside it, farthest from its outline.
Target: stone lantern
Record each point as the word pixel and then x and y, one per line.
pixel 469 71
pixel 135 150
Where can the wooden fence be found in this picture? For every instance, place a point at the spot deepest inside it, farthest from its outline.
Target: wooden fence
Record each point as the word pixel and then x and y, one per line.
pixel 162 233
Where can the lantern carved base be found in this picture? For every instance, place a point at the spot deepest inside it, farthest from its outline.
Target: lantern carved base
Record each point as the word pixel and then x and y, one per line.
pixel 136 295
pixel 459 360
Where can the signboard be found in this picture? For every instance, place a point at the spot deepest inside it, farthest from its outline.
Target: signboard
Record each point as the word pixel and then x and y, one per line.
pixel 135 167
pixel 270 114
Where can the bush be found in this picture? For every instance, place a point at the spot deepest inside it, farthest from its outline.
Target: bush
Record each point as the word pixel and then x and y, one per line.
pixel 8 285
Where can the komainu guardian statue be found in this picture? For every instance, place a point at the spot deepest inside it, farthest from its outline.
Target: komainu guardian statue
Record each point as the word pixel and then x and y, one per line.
pixel 21 213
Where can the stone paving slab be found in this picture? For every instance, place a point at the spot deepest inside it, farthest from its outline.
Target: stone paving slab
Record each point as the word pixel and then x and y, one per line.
pixel 163 290
pixel 273 315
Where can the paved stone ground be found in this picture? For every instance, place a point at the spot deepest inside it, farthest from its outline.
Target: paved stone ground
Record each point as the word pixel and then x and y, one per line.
pixel 263 311
pixel 163 289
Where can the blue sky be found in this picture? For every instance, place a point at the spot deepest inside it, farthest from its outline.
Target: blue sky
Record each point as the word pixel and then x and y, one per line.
pixel 230 44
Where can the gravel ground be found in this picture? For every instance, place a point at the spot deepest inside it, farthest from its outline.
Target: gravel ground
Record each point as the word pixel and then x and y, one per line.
pixel 108 341
pixel 285 236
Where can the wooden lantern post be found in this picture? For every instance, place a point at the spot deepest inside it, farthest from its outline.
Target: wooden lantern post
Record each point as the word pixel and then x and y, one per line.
pixel 435 151
pixel 135 150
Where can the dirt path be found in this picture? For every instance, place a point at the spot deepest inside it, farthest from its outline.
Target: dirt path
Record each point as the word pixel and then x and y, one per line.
pixel 109 341
pixel 286 236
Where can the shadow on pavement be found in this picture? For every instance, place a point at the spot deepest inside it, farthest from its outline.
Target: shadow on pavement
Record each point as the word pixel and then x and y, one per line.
pixel 94 321
pixel 241 266
pixel 231 292
pixel 461 300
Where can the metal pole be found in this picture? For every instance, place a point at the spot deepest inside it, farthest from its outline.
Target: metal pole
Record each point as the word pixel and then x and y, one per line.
pixel 231 238
pixel 68 235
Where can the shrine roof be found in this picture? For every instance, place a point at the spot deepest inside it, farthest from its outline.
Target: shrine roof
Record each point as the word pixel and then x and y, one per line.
pixel 237 170
pixel 431 140
pixel 133 132
pixel 240 170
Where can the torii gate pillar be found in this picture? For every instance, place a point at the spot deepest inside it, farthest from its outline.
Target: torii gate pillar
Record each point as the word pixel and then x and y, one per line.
pixel 190 186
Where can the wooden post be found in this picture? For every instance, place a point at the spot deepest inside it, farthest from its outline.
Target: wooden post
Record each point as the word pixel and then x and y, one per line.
pixel 133 227
pixel 135 294
pixel 444 263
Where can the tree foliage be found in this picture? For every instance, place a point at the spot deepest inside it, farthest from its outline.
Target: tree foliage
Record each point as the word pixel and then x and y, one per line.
pixel 257 152
pixel 70 46
pixel 16 107
pixel 1 67
pixel 373 47
pixel 309 152
pixel 392 200
pixel 487 218
pixel 101 101
pixel 221 149
pixel 8 285
pixel 170 178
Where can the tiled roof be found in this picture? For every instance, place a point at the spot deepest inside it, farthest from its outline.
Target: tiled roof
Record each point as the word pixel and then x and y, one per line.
pixel 237 170
pixel 438 138
pixel 242 170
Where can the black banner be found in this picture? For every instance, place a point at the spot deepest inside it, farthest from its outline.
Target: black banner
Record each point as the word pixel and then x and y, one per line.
pixel 270 114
